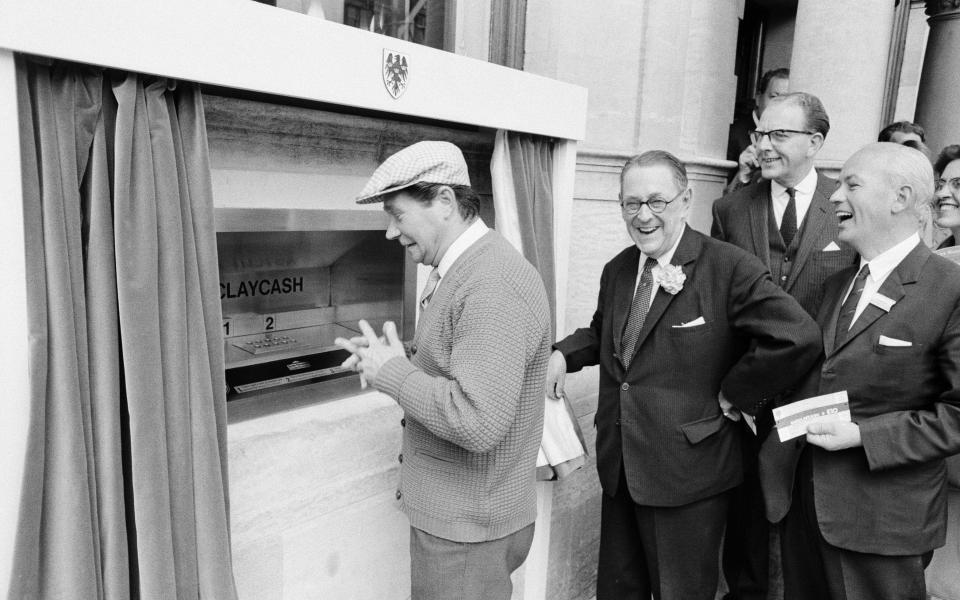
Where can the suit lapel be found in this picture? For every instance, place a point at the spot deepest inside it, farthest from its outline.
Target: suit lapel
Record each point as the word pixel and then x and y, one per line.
pixel 893 288
pixel 624 285
pixel 814 231
pixel 759 207
pixel 687 251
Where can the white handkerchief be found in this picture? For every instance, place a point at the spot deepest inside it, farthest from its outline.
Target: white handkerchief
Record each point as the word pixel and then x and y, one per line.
pixel 693 323
pixel 882 302
pixel 889 341
pixel 832 247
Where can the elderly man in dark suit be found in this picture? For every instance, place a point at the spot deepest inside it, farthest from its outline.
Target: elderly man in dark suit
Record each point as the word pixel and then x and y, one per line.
pixel 868 496
pixel 786 220
pixel 685 325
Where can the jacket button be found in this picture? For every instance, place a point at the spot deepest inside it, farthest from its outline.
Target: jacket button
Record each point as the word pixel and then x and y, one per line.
pixel 786 259
pixel 403 422
pixel 617 422
pixel 783 278
pixel 625 386
pixel 400 458
pixel 399 495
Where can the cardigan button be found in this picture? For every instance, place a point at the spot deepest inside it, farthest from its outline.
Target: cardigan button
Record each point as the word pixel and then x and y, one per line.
pixel 399 495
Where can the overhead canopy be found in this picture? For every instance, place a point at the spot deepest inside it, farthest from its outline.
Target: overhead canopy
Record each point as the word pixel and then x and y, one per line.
pixel 256 47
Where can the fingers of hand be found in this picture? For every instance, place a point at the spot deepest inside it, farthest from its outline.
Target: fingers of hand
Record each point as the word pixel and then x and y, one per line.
pixel 368 332
pixel 821 429
pixel 390 331
pixel 348 345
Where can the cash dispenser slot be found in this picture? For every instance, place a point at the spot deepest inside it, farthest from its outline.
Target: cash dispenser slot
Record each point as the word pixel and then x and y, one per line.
pixel 292 281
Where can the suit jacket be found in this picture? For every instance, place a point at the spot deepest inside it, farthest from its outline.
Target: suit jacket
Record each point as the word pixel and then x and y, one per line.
pixel 887 497
pixel 661 419
pixel 742 218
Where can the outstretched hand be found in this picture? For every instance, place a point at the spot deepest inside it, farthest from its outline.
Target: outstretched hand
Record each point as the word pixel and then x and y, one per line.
pixel 369 353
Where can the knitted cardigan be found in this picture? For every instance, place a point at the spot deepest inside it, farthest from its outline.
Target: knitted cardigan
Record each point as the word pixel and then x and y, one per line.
pixel 472 393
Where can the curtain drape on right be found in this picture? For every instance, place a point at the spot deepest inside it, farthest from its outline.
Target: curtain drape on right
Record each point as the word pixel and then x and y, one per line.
pixel 124 494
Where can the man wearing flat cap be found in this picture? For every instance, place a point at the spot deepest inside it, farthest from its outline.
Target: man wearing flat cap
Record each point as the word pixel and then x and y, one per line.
pixel 471 388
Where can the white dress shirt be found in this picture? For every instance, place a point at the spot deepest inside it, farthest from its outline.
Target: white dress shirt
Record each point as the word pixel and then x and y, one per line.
pixel 469 237
pixel 664 260
pixel 880 268
pixel 803 197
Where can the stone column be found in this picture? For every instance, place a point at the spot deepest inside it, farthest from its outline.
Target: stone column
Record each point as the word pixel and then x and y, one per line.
pixel 840 55
pixel 939 91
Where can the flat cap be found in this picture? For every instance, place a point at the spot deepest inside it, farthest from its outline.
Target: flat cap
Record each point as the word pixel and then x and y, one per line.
pixel 423 162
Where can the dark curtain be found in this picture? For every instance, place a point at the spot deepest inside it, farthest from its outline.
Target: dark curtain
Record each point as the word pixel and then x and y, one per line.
pixel 125 486
pixel 531 163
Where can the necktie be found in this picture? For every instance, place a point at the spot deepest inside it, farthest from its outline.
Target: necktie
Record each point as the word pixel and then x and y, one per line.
pixel 428 289
pixel 788 225
pixel 638 312
pixel 849 308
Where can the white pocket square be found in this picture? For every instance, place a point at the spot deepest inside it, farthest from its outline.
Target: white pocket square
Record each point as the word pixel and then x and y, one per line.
pixel 832 247
pixel 693 323
pixel 889 341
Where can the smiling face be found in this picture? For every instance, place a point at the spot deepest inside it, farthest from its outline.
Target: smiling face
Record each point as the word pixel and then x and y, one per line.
pixel 654 233
pixel 948 204
pixel 873 213
pixel 787 161
pixel 418 226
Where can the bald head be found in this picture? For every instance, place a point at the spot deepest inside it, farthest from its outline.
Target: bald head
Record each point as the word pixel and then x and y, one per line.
pixel 883 188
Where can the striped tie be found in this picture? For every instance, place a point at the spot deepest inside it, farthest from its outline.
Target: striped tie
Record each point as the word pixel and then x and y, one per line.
pixel 849 308
pixel 428 289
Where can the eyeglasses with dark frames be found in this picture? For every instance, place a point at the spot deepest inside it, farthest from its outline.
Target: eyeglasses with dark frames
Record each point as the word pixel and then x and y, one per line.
pixel 777 136
pixel 657 205
pixel 953 182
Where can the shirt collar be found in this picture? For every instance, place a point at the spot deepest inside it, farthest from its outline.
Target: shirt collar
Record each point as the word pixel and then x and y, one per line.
pixel 885 262
pixel 460 245
pixel 806 186
pixel 667 256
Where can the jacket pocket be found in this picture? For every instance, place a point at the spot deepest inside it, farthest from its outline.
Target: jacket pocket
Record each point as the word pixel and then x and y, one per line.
pixel 697 431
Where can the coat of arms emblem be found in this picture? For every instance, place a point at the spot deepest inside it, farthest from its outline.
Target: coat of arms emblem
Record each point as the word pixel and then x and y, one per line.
pixel 395 71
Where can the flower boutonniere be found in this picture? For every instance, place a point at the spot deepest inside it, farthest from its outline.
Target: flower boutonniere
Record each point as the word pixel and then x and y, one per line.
pixel 670 277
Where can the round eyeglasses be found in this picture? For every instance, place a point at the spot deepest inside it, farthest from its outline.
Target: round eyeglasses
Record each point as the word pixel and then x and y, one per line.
pixel 656 205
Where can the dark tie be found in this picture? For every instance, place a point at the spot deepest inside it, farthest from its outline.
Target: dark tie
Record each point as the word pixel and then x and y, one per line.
pixel 849 308
pixel 788 225
pixel 428 289
pixel 638 312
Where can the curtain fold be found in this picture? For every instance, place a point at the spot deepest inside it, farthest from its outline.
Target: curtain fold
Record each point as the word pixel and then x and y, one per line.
pixel 522 169
pixel 125 482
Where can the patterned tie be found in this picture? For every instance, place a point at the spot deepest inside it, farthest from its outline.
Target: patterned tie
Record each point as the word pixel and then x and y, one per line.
pixel 788 225
pixel 428 289
pixel 849 308
pixel 638 312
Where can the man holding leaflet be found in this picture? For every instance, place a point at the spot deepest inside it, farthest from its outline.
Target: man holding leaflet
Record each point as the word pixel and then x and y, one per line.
pixel 868 495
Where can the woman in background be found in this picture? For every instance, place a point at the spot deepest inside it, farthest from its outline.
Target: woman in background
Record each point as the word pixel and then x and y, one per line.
pixel 947 196
pixel 943 577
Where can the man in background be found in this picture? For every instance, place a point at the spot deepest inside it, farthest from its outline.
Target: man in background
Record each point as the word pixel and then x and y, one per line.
pixel 471 389
pixel 774 83
pixel 786 220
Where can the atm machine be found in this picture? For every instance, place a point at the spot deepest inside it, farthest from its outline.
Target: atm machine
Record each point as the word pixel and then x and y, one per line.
pixel 299 113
